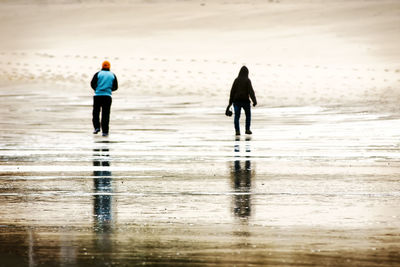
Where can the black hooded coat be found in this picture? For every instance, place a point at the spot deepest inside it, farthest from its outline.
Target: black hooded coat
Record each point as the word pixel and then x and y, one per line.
pixel 242 89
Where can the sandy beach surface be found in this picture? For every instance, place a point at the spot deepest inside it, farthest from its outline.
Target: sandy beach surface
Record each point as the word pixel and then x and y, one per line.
pixel 317 184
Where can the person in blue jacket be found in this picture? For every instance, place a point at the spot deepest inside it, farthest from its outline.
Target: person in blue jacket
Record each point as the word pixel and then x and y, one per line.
pixel 103 83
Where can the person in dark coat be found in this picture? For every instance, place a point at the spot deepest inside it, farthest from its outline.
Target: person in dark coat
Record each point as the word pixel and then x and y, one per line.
pixel 241 91
pixel 103 83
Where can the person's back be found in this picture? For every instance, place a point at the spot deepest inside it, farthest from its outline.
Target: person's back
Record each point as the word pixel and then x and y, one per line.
pixel 242 90
pixel 105 81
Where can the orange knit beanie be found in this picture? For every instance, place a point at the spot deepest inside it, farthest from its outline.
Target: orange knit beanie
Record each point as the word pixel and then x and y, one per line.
pixel 106 65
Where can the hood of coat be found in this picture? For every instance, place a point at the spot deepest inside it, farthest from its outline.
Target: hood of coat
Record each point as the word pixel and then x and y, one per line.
pixel 244 72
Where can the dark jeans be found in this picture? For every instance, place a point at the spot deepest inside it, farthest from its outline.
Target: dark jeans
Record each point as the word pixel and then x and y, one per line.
pixel 238 107
pixel 103 103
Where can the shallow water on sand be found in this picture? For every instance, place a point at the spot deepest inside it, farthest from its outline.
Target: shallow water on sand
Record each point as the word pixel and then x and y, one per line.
pixel 172 185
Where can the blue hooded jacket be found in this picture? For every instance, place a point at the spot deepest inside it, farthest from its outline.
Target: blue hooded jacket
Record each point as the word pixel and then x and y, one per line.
pixel 104 82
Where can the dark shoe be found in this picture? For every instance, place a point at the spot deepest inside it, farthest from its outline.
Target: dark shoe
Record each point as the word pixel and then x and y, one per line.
pixel 96 131
pixel 248 132
pixel 237 133
pixel 105 134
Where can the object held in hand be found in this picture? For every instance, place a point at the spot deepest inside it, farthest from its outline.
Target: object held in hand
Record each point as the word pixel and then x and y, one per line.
pixel 228 112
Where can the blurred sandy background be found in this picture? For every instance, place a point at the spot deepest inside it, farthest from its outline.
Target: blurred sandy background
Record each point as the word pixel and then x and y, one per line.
pixel 309 52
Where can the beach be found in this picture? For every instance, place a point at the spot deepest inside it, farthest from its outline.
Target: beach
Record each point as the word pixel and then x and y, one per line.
pixel 315 184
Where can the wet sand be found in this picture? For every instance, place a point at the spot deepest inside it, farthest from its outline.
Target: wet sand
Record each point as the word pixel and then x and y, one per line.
pixel 172 185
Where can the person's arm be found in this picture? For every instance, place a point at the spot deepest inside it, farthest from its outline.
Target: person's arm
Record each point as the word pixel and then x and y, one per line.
pixel 252 94
pixel 115 84
pixel 233 91
pixel 93 83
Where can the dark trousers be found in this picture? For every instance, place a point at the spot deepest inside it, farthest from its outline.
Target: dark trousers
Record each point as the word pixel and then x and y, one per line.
pixel 102 103
pixel 238 107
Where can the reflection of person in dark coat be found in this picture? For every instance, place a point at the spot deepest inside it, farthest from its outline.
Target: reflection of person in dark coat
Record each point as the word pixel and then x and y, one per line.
pixel 242 184
pixel 241 91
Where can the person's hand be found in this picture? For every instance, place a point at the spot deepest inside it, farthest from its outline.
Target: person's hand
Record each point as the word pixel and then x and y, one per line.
pixel 228 112
pixel 254 104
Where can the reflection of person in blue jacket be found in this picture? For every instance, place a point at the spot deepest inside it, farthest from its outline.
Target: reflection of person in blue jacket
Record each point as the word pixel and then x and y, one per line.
pixel 103 189
pixel 103 82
